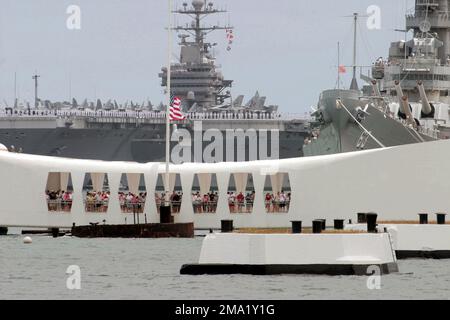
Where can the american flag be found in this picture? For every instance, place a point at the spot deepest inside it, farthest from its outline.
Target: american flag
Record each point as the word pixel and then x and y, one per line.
pixel 175 113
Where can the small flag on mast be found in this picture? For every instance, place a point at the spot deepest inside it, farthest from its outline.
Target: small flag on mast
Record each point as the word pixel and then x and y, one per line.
pixel 175 112
pixel 342 69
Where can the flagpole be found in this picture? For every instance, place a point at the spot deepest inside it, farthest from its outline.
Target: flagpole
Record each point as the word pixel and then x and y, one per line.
pixel 169 74
pixel 339 65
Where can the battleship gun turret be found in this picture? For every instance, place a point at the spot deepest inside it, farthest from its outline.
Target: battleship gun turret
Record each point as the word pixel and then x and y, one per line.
pixel 405 110
pixel 428 109
pixel 399 91
pixel 376 89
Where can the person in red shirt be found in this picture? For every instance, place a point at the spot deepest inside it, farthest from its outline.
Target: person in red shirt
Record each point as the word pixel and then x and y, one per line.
pixel 240 199
pixel 268 201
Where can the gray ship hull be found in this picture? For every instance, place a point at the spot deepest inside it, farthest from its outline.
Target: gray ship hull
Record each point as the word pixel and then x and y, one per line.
pixel 341 133
pixel 142 144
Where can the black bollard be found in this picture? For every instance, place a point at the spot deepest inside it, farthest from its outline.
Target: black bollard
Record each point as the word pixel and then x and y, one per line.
pixel 362 217
pixel 324 224
pixel 55 232
pixel 165 214
pixel 296 227
pixel 423 218
pixel 317 226
pixel 372 222
pixel 227 226
pixel 440 218
pixel 349 221
pixel 339 224
pixel 3 231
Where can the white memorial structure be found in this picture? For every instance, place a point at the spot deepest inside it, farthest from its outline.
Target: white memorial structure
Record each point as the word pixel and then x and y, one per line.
pixel 397 183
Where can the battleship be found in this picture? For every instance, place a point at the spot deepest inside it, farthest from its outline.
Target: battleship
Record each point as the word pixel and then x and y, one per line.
pixel 136 132
pixel 405 99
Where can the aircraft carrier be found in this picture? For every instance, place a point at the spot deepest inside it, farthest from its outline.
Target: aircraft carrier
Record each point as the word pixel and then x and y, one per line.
pixel 136 132
pixel 405 99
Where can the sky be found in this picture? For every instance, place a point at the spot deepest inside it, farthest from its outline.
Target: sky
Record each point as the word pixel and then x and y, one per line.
pixel 285 49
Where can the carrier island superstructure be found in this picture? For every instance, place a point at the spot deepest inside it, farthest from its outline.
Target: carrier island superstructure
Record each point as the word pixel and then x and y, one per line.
pixel 136 132
pixel 405 99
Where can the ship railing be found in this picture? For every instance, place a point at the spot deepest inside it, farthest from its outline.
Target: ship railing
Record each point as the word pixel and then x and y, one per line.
pixel 59 205
pixel 246 115
pixel 113 114
pixel 204 206
pixel 95 206
pixel 26 114
pixel 412 13
pixel 236 207
pixel 132 207
pixel 211 116
pixel 433 133
pixel 276 206
pixel 152 115
pixel 246 206
pixel 233 116
pixel 296 116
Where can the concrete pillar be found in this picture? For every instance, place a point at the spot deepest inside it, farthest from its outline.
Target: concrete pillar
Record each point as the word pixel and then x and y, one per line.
pixel 259 216
pixel 114 214
pixel 78 211
pixel 151 178
pixel 223 212
pixel 186 214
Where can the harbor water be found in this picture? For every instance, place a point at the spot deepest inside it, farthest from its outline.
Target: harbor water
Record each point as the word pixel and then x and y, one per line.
pixel 149 269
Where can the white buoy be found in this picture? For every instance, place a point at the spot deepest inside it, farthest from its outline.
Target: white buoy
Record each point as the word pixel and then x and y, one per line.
pixel 27 240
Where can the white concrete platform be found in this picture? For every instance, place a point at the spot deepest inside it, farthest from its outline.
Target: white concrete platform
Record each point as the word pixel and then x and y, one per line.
pixel 416 240
pixel 333 254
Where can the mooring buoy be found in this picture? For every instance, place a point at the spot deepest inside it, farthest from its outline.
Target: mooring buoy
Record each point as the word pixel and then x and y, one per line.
pixel 27 240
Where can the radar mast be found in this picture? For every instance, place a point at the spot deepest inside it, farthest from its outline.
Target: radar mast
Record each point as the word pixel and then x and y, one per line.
pixel 196 80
